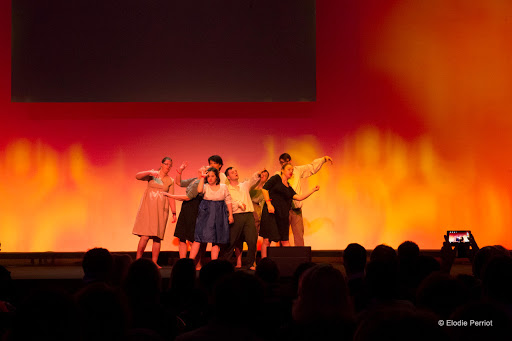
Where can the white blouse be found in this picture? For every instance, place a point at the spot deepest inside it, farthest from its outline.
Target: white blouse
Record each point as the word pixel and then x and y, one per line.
pixel 221 194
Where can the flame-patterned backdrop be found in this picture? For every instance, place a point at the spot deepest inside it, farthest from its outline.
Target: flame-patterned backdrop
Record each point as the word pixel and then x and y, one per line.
pixel 413 104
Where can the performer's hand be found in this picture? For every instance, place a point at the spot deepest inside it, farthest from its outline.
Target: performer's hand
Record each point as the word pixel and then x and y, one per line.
pixel 328 158
pixel 173 218
pixel 183 166
pixel 271 208
pixel 154 173
pixel 202 172
pixel 242 206
pixel 230 219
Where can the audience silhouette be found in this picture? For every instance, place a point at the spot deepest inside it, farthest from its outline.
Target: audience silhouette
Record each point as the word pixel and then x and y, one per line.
pixel 391 295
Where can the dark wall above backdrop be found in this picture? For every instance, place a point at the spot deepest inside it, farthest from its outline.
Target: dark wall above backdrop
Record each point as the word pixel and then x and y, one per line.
pixel 163 51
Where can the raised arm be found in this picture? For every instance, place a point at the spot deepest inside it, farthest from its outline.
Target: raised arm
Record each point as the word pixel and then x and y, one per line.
pixel 305 171
pixel 255 179
pixel 146 175
pixel 201 174
pixel 178 175
pixel 305 195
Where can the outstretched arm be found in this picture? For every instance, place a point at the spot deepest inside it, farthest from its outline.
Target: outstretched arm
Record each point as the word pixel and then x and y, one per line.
pixel 180 197
pixel 305 195
pixel 305 171
pixel 146 175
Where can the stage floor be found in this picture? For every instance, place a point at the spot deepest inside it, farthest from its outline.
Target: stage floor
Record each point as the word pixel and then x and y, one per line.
pixel 24 268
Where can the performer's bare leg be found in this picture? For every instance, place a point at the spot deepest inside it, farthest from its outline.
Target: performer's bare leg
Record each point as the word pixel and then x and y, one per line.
pixel 182 249
pixel 143 242
pixel 194 249
pixel 200 255
pixel 238 256
pixel 285 243
pixel 215 251
pixel 264 246
pixel 157 242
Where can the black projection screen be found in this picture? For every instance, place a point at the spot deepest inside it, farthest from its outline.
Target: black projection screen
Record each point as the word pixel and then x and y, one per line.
pixel 163 51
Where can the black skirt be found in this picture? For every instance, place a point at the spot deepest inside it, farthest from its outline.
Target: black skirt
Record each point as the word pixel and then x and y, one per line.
pixel 186 225
pixel 275 226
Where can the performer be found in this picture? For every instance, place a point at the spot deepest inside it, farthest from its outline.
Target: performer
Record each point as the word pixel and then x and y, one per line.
pixel 278 195
pixel 243 227
pixel 257 198
pixel 186 225
pixel 299 173
pixel 212 224
pixel 154 208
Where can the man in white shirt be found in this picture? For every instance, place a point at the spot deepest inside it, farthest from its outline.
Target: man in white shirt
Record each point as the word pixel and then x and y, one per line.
pixel 243 228
pixel 299 173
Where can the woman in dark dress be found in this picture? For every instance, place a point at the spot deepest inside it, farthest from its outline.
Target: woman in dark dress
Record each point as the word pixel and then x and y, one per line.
pixel 278 202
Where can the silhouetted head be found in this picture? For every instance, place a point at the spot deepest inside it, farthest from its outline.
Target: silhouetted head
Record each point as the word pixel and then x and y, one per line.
pixel 102 312
pixel 143 281
pixel 212 271
pixel 354 258
pixel 497 280
pixel 267 271
pixel 97 265
pixel 322 296
pixel 483 256
pixel 238 289
pixel 408 251
pixel 384 253
pixel 441 294
pixel 183 275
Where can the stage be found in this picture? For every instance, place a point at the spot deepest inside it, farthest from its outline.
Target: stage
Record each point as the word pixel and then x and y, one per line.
pixel 67 265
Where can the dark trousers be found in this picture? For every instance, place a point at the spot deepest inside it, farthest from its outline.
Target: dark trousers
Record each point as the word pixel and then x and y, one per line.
pixel 243 229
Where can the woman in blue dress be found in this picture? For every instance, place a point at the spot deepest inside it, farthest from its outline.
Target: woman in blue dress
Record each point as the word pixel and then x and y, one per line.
pixel 215 213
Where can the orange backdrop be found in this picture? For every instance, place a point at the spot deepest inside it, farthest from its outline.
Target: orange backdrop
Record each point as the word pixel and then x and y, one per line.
pixel 413 104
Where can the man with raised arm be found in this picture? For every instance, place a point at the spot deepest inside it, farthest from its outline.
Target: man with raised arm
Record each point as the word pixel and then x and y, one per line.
pixel 299 173
pixel 244 227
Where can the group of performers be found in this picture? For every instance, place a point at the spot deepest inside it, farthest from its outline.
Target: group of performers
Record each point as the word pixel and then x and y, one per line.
pixel 219 209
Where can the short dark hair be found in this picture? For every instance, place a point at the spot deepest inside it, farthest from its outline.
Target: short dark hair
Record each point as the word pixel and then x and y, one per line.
pixel 227 171
pixel 166 158
pixel 216 159
pixel 216 172
pixel 285 156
